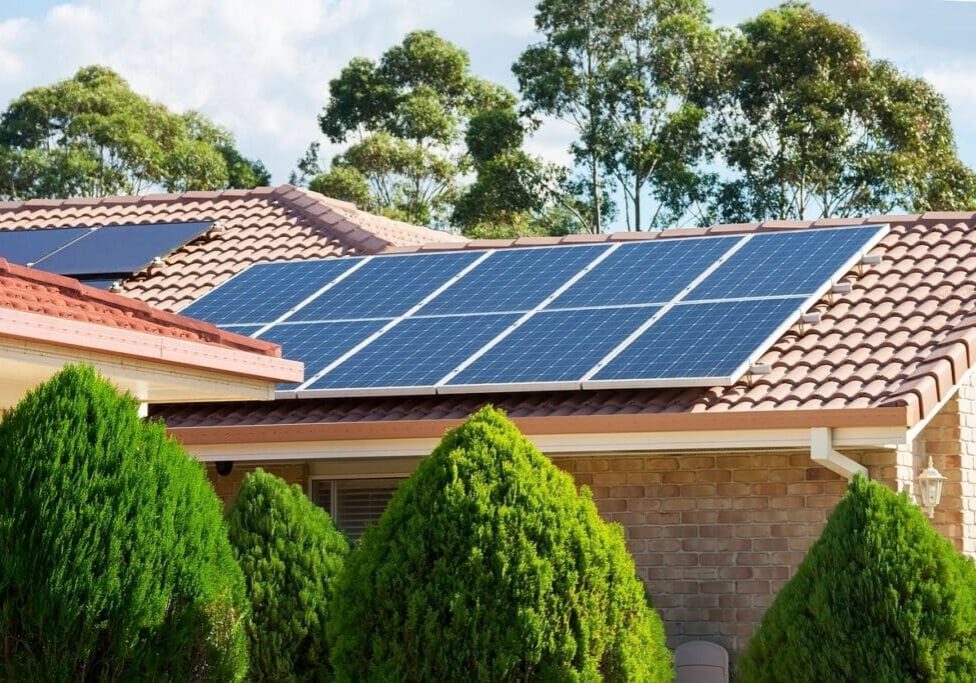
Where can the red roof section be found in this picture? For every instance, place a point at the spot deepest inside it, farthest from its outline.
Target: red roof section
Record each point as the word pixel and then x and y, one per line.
pixel 904 336
pixel 34 291
pixel 282 223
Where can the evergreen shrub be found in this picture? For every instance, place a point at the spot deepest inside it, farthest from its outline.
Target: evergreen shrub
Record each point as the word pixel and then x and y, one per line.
pixel 488 565
pixel 880 596
pixel 115 562
pixel 290 553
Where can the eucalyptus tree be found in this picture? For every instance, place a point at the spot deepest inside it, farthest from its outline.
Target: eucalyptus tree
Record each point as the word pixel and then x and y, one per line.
pixel 92 135
pixel 810 125
pixel 404 118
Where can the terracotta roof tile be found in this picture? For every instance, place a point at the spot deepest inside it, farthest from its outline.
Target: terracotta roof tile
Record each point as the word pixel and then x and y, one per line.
pixel 34 291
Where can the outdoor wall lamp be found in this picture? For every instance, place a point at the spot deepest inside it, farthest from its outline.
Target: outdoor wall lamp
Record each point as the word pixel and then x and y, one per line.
pixel 930 483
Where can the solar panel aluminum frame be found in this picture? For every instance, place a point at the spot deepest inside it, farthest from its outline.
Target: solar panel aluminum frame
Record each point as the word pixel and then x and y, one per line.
pixel 742 369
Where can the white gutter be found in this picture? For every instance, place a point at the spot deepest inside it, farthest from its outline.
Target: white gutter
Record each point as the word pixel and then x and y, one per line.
pixel 822 452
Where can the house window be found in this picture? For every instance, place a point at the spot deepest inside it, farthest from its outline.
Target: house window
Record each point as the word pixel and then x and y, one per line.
pixel 354 503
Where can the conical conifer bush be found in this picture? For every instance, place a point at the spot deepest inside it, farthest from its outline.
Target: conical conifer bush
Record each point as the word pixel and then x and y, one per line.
pixel 115 563
pixel 488 565
pixel 290 553
pixel 880 596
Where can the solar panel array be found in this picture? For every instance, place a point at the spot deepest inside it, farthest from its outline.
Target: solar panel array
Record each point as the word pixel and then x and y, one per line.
pixel 97 256
pixel 693 311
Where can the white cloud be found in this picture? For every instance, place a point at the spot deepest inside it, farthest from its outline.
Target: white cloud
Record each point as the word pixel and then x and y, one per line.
pixel 257 67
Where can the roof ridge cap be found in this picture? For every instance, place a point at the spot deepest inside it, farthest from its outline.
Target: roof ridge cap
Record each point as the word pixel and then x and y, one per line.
pixel 304 202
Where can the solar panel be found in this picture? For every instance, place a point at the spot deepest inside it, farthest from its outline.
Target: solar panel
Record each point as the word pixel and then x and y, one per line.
pixel 688 311
pixel 701 344
pixel 28 246
pixel 416 353
pixel 120 248
pixel 645 272
pixel 553 346
pixel 387 286
pixel 514 279
pixel 266 291
pixel 318 344
pixel 791 262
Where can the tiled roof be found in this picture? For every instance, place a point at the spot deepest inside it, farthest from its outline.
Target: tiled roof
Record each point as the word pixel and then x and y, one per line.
pixel 264 224
pixel 903 337
pixel 33 291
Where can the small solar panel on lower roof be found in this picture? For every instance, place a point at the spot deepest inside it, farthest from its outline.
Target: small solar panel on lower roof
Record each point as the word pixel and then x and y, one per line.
pixel 553 346
pixel 28 246
pixel 266 291
pixel 707 342
pixel 318 344
pixel 416 352
pixel 514 279
pixel 387 286
pixel 121 248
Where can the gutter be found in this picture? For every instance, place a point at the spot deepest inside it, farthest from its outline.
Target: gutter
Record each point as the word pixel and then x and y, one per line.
pixel 822 452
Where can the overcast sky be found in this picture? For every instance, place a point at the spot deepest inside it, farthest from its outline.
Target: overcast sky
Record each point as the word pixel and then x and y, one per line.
pixel 261 68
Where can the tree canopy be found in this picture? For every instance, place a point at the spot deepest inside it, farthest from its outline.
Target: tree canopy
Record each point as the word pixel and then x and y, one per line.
pixel 810 125
pixel 92 135
pixel 404 118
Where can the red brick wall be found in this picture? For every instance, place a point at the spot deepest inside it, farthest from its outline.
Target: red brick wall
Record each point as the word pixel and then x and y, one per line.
pixel 714 536
pixel 226 486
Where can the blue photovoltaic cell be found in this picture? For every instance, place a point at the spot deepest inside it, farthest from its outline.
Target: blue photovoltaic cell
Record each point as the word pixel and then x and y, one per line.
pixel 708 340
pixel 121 248
pixel 386 287
pixel 555 346
pixel 513 279
pixel 416 352
pixel 318 344
pixel 266 291
pixel 645 272
pixel 29 246
pixel 779 263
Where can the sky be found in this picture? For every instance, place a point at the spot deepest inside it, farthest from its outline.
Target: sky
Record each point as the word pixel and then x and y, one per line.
pixel 261 68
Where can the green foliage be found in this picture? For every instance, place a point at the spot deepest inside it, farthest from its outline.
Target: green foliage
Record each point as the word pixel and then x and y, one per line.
pixel 290 554
pixel 404 118
pixel 116 563
pixel 92 135
pixel 630 76
pixel 488 565
pixel 810 125
pixel 879 597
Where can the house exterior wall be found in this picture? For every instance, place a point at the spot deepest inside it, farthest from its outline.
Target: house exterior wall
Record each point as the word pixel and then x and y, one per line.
pixel 715 535
pixel 227 486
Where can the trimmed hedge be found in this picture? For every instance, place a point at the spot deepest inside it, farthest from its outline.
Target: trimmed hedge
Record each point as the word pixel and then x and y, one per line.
pixel 290 553
pixel 879 597
pixel 488 565
pixel 116 563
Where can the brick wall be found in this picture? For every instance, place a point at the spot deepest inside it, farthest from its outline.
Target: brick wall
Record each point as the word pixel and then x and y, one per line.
pixel 226 486
pixel 714 536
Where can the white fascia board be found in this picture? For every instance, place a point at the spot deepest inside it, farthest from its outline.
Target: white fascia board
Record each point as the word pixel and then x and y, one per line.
pixel 561 444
